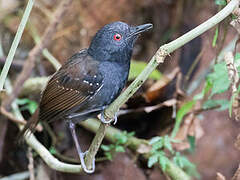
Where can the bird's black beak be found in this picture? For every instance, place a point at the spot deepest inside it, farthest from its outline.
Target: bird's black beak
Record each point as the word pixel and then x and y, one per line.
pixel 139 29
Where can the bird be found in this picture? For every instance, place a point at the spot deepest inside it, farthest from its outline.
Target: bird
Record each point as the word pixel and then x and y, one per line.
pixel 89 81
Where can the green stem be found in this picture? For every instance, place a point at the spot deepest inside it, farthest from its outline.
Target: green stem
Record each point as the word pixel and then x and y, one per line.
pixel 15 43
pixel 163 51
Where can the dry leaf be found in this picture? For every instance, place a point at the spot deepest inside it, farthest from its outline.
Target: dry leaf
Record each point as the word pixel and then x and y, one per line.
pixel 157 88
pixel 144 148
pixel 196 129
pixel 220 177
pixel 237 174
pixel 192 127
pixel 3 94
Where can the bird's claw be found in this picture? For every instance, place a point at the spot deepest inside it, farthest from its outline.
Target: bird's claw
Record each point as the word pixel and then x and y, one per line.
pixel 103 120
pixel 82 155
pixel 115 119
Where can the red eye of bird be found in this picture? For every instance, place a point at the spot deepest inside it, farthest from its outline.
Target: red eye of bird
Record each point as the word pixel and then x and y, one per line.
pixel 117 37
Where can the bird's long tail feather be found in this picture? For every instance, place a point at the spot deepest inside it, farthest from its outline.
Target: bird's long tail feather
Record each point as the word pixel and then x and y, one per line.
pixel 30 127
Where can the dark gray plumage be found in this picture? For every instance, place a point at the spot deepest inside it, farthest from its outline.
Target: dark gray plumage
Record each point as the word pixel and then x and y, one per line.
pixel 90 80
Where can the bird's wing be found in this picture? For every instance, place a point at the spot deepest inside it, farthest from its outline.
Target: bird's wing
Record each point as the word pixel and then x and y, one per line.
pixel 70 87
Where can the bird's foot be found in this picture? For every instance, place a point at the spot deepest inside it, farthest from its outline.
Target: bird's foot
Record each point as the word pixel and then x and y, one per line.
pixel 82 156
pixel 115 119
pixel 103 120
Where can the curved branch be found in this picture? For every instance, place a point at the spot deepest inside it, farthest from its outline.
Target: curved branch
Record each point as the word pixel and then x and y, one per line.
pixel 49 159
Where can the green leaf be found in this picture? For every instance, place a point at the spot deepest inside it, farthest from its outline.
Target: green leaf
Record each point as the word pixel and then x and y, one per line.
pixel 167 143
pixel 221 2
pixel 207 88
pixel 163 162
pixel 119 149
pixel 219 78
pixel 28 104
pixel 105 147
pixel 32 106
pixel 215 37
pixel 237 61
pixel 185 164
pixel 234 17
pixel 152 160
pixel 157 145
pixel 130 134
pixel 121 138
pixel 237 56
pixel 191 140
pixel 137 67
pixel 222 103
pixel 52 150
pixel 180 114
pixel 155 139
pixel 109 155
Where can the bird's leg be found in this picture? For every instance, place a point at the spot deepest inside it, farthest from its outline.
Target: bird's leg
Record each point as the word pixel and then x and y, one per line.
pixel 80 153
pixel 74 115
pixel 103 120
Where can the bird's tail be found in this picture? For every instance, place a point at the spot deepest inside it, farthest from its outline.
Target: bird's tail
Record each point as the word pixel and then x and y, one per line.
pixel 30 127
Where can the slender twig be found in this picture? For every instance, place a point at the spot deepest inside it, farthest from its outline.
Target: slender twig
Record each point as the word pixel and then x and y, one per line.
pixel 15 43
pixel 194 64
pixel 31 164
pixel 36 51
pixel 158 58
pixel 11 117
pixel 234 79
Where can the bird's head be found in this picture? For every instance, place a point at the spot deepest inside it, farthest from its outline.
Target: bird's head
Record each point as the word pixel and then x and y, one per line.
pixel 114 42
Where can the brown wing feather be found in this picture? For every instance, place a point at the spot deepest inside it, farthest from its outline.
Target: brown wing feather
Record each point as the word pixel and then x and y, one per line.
pixel 70 87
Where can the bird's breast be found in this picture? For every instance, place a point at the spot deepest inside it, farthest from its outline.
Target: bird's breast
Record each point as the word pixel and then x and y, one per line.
pixel 114 79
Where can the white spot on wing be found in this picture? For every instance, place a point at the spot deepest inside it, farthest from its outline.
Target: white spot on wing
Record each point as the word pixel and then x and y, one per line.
pixel 85 81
